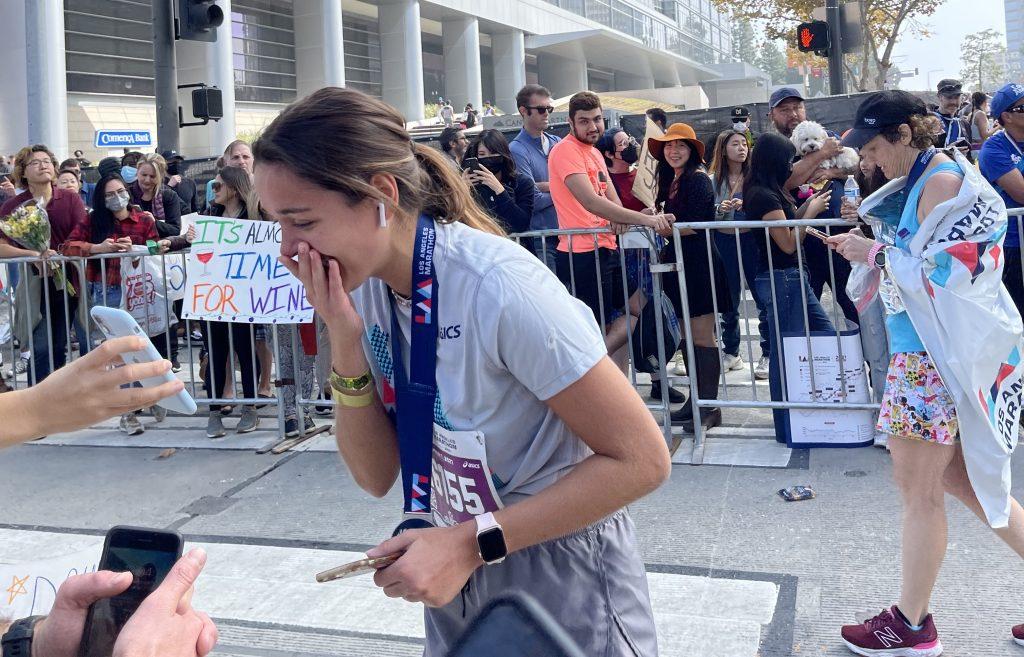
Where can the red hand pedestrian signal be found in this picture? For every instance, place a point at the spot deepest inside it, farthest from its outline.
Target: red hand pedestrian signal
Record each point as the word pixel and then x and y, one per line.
pixel 813 37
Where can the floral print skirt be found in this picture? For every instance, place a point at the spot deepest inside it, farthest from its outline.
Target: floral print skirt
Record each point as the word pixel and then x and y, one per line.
pixel 916 404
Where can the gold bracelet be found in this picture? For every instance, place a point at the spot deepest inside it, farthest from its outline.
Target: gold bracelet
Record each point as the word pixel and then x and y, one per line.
pixel 351 383
pixel 353 401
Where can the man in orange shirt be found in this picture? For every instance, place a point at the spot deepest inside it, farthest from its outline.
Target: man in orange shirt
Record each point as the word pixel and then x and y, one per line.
pixel 585 198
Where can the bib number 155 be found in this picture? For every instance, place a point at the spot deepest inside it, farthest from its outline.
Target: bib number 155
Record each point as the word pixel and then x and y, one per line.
pixel 458 492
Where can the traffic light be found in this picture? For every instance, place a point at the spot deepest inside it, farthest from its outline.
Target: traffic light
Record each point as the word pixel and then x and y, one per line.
pixel 198 20
pixel 813 37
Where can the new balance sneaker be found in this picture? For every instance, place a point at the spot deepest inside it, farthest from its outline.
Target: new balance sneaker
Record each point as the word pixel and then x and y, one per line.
pixel 888 635
pixel 1018 634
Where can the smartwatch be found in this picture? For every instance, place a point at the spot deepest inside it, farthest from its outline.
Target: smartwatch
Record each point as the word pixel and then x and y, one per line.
pixel 17 642
pixel 876 256
pixel 490 539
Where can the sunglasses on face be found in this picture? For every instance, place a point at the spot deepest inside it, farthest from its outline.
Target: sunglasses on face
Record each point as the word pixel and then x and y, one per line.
pixel 1019 109
pixel 543 109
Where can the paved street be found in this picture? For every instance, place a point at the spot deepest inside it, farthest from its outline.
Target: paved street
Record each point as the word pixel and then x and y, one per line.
pixel 734 571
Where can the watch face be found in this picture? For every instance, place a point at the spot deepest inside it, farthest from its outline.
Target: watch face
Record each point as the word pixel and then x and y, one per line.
pixel 492 545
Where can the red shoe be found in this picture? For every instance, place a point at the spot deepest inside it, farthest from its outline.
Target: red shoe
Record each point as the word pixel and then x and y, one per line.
pixel 888 635
pixel 1018 634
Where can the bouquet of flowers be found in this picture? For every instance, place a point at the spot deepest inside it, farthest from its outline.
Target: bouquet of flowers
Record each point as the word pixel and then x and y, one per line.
pixel 29 226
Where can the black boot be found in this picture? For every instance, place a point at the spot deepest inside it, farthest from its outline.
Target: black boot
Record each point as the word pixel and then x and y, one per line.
pixel 709 370
pixel 674 395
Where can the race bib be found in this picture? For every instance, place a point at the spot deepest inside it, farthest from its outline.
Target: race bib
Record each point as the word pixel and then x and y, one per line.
pixel 461 484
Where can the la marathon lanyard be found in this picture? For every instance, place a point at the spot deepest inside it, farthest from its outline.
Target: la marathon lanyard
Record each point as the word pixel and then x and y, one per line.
pixel 1012 143
pixel 416 394
pixel 952 126
pixel 920 164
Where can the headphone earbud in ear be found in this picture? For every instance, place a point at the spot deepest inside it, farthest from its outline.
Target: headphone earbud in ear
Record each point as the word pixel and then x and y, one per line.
pixel 381 215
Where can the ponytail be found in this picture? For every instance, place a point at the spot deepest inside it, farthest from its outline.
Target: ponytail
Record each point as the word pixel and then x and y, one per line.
pixel 446 196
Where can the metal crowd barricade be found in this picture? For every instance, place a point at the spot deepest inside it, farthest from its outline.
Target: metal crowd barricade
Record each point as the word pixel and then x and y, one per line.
pixel 59 318
pixel 50 342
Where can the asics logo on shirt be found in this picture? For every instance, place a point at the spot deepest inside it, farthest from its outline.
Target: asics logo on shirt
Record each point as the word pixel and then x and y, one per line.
pixel 452 332
pixel 888 637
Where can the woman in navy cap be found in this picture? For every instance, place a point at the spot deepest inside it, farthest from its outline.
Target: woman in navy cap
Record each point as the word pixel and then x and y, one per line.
pixel 951 405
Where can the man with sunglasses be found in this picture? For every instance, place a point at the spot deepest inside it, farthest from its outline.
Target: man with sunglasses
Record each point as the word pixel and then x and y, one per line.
pixel 1001 161
pixel 530 151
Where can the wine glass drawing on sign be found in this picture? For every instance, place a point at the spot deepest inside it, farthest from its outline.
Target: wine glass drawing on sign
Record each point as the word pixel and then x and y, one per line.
pixel 205 257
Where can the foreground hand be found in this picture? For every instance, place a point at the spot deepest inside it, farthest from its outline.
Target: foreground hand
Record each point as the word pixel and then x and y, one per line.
pixel 190 234
pixel 662 224
pixel 326 293
pixel 831 147
pixel 7 187
pixel 60 633
pixel 435 565
pixel 163 246
pixel 92 387
pixel 124 244
pixel 851 246
pixel 483 175
pixel 174 181
pixel 165 624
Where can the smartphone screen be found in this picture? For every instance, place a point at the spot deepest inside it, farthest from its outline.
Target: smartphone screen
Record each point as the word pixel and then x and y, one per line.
pixel 149 555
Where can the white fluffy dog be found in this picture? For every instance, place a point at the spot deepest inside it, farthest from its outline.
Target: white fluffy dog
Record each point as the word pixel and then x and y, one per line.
pixel 809 137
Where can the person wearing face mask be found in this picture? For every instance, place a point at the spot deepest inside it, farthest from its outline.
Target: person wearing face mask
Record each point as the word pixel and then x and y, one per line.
pixel 150 194
pixel 183 186
pixel 506 194
pixel 114 226
pixel 741 123
pixel 129 165
pixel 620 153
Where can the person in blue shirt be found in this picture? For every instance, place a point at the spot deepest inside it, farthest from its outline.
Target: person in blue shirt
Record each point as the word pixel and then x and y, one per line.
pixel 1001 162
pixel 530 151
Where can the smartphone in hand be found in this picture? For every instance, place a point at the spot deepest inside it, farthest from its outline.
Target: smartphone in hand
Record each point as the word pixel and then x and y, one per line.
pixel 149 554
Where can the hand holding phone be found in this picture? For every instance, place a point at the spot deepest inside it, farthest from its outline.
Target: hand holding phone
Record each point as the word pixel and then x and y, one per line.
pixel 115 323
pixel 816 233
pixel 361 567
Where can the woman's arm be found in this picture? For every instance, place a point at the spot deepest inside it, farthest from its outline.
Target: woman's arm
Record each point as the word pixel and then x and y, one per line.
pixel 981 121
pixel 366 438
pixel 629 450
pixel 516 212
pixel 171 224
pixel 784 238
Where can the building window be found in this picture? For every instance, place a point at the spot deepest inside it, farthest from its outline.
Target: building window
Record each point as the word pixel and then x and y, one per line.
pixel 109 46
pixel 263 41
pixel 362 54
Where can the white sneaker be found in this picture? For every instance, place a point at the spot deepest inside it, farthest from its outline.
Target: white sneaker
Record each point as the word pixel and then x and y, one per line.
pixel 159 413
pixel 679 364
pixel 761 370
pixel 732 363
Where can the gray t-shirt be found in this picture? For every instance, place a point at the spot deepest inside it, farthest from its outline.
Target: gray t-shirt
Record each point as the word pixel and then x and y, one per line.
pixel 509 337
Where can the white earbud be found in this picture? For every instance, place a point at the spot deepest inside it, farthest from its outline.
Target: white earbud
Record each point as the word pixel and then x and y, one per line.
pixel 381 215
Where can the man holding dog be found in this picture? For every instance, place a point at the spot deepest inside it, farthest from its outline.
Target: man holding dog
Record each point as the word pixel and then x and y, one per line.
pixel 787 111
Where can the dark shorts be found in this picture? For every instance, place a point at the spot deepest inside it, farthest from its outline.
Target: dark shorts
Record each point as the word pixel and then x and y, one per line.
pixel 596 280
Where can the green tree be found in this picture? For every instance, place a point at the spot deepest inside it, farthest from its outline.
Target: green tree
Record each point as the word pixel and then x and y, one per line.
pixel 883 23
pixel 771 60
pixel 983 60
pixel 744 41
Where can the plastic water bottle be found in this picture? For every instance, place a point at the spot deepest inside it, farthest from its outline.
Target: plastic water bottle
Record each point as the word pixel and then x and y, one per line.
pixel 851 191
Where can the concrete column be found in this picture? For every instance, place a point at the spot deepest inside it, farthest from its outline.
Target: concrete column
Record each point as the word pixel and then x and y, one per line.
pixel 212 63
pixel 509 54
pixel 461 38
pixel 319 45
pixel 46 75
pixel 13 103
pixel 629 81
pixel 401 56
pixel 562 76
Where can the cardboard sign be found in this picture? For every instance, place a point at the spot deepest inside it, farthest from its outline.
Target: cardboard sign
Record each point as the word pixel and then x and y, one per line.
pixel 29 589
pixel 645 186
pixel 234 275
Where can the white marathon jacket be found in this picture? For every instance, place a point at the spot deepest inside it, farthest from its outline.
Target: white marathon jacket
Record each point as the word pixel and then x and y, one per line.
pixel 950 283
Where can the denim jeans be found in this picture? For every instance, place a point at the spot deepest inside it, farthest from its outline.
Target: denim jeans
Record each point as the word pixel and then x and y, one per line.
pixel 792 289
pixel 544 248
pixel 50 336
pixel 726 244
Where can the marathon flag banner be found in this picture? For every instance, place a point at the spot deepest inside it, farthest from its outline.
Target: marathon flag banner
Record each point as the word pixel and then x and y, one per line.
pixel 950 283
pixel 234 275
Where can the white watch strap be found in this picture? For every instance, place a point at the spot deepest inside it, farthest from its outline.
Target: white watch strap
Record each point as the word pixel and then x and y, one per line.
pixel 486 521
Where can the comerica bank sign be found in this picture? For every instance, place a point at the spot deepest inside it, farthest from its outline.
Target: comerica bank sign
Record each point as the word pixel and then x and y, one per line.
pixel 122 138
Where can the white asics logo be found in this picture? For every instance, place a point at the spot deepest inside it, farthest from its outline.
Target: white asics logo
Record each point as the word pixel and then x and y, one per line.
pixel 888 637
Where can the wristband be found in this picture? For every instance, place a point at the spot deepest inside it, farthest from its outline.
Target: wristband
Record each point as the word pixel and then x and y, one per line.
pixel 352 401
pixel 351 384
pixel 17 642
pixel 878 246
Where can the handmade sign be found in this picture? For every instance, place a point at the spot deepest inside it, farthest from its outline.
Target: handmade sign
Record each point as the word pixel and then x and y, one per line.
pixel 645 185
pixel 29 589
pixel 234 275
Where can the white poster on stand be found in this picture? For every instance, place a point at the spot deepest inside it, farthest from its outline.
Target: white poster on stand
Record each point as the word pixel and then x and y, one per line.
pixel 831 384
